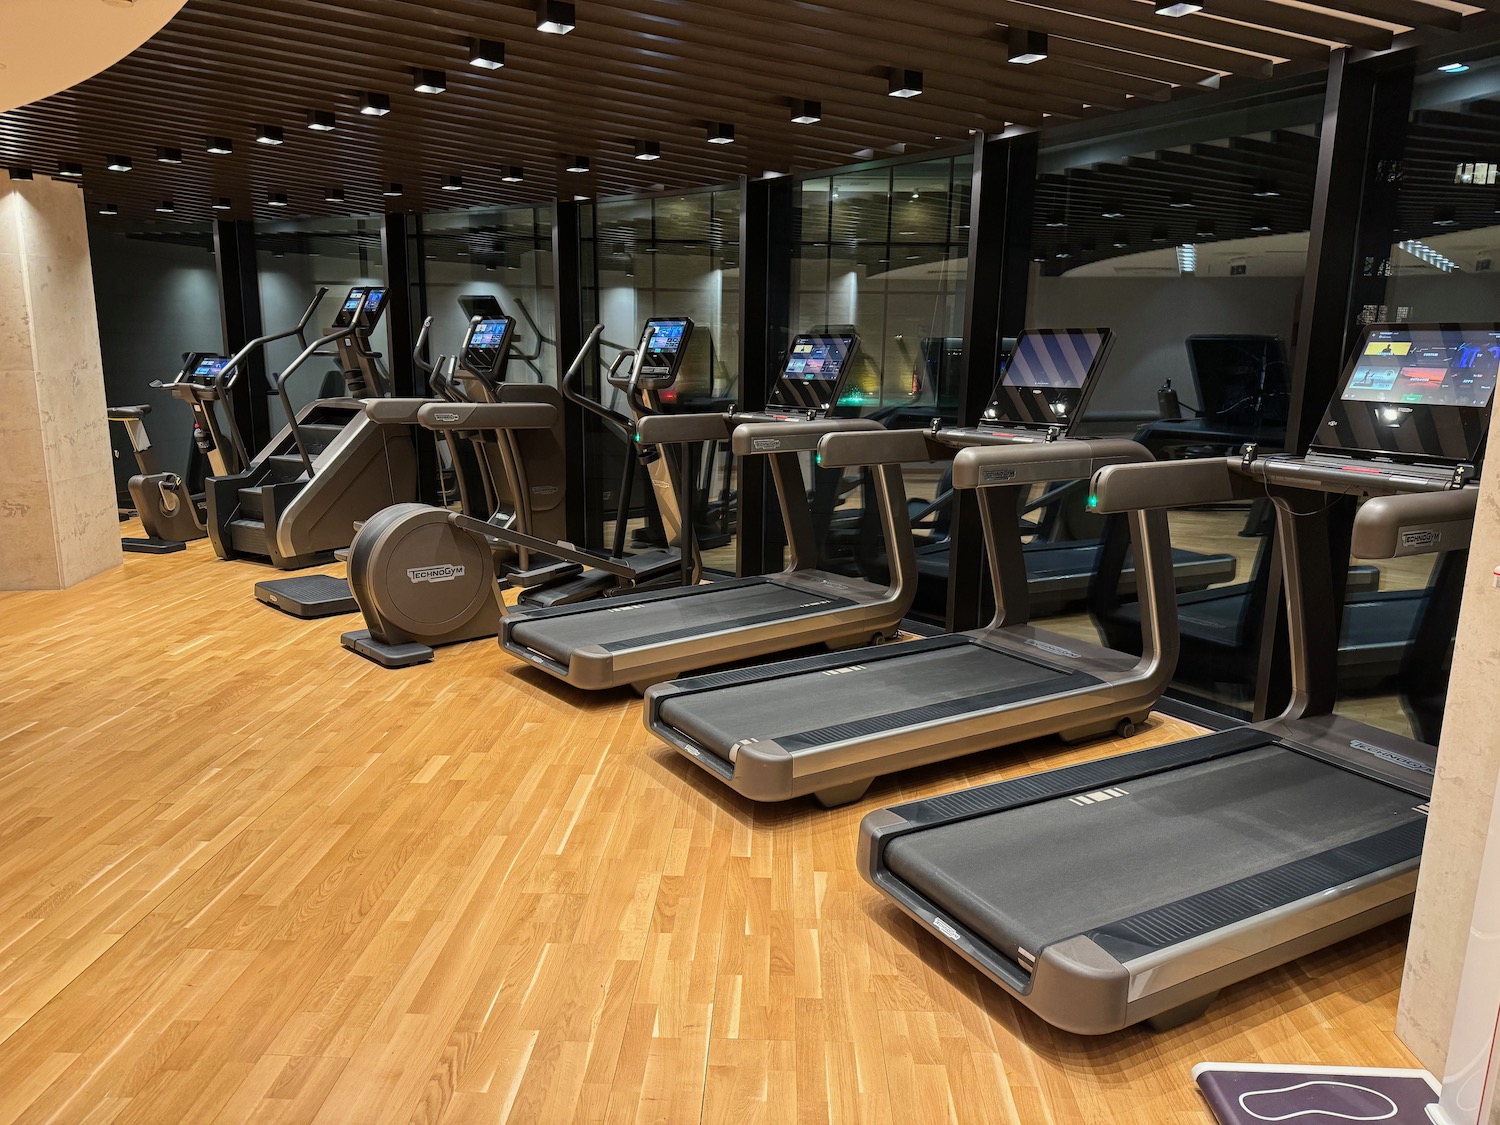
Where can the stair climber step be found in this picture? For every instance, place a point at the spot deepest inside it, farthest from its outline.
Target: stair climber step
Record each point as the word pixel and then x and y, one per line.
pixel 286 466
pixel 319 435
pixel 249 537
pixel 251 505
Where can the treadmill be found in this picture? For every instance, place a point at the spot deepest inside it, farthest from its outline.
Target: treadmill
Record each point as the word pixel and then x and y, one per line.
pixel 1104 894
pixel 640 639
pixel 829 725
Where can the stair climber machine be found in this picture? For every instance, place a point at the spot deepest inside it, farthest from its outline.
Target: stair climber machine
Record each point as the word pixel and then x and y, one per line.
pixel 1133 889
pixel 426 577
pixel 643 638
pixel 827 725
pixel 334 464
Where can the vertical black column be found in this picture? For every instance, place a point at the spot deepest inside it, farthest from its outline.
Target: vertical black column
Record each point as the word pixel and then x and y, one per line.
pixel 1355 194
pixel 1000 220
pixel 406 306
pixel 767 237
pixel 239 310
pixel 585 511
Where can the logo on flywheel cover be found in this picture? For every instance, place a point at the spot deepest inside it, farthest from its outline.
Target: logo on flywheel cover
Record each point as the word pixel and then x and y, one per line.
pixel 435 574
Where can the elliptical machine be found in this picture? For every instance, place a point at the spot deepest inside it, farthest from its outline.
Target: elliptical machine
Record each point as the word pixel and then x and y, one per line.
pixel 425 577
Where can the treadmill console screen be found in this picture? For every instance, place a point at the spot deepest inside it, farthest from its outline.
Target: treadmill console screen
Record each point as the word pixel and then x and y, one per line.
pixel 361 297
pixel 663 344
pixel 1418 392
pixel 815 369
pixel 487 345
pixel 1049 375
pixel 209 367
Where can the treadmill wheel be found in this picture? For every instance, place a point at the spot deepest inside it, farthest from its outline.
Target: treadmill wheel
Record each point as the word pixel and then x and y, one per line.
pixel 1125 728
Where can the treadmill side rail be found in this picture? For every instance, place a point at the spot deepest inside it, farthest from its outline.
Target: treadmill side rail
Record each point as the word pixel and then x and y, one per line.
pixel 792 437
pixel 1417 523
pixel 1170 484
pixel 1069 459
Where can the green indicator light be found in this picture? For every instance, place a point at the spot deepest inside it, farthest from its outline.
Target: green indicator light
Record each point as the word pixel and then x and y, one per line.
pixel 1093 501
pixel 818 458
pixel 638 439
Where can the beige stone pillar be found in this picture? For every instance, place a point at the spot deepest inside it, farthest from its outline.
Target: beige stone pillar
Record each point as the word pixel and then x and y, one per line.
pixel 1463 799
pixel 57 507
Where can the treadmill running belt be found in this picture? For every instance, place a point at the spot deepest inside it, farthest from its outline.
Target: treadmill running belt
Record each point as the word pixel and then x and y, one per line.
pixel 1146 844
pixel 809 709
pixel 703 609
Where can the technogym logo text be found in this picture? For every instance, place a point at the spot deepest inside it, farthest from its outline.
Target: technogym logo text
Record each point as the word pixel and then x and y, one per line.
pixel 1421 538
pixel 435 574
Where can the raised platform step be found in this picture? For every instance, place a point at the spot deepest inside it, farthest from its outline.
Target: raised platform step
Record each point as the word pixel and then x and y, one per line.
pixel 251 503
pixel 308 596
pixel 248 536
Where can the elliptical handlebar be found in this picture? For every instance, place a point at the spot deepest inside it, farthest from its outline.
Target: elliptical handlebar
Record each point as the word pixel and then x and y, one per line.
pixel 574 374
pixel 419 351
pixel 281 380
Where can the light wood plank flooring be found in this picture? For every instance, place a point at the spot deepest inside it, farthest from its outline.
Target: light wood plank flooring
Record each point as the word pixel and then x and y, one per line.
pixel 246 876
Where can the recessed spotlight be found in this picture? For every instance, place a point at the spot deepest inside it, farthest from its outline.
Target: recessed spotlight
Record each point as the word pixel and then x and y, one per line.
pixel 374 105
pixel 905 83
pixel 1112 211
pixel 1444 217
pixel 391 191
pixel 165 207
pixel 321 121
pixel 222 203
pixel 1177 9
pixel 453 183
pixel 1266 189
pixel 269 135
pixel 513 174
pixel 648 150
pixel 219 146
pixel 486 54
pixel 1180 200
pixel 1056 221
pixel 1063 253
pixel 1260 225
pixel 721 133
pixel 119 164
pixel 578 164
pixel 1024 46
pixel 109 209
pixel 1207 229
pixel 169 156
pixel 1453 68
pixel 555 17
pixel 806 111
pixel 334 195
pixel 70 171
pixel 18 175
pixel 1161 234
pixel 277 199
pixel 425 81
pixel 1120 241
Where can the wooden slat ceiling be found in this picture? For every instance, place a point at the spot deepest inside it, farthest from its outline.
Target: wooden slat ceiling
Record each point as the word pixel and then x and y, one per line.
pixel 657 70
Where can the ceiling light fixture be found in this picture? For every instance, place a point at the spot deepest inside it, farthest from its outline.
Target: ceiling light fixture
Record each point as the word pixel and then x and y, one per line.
pixel 222 203
pixel 648 150
pixel 1121 241
pixel 18 175
pixel 1025 47
pixel 277 199
pixel 321 121
pixel 1112 211
pixel 486 54
pixel 905 83
pixel 1260 225
pixel 391 190
pixel 109 209
pixel 219 146
pixel 169 156
pixel 1444 217
pixel 269 135
pixel 1206 229
pixel 165 207
pixel 1056 221
pixel 555 17
pixel 579 164
pixel 1453 68
pixel 1266 189
pixel 119 164
pixel 453 183
pixel 334 195
pixel 513 174
pixel 1161 234
pixel 1180 200
pixel 425 81
pixel 70 171
pixel 721 133
pixel 806 111
pixel 1177 9
pixel 374 105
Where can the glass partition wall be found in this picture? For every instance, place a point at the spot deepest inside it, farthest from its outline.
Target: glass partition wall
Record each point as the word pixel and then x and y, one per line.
pixel 666 256
pixel 1188 241
pixel 884 249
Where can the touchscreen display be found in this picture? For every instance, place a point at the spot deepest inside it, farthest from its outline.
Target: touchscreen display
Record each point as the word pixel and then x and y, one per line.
pixel 1426 368
pixel 666 336
pixel 490 334
pixel 1416 392
pixel 211 367
pixel 1048 373
pixel 354 300
pixel 814 367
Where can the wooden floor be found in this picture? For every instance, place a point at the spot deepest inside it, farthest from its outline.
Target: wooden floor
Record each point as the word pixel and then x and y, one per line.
pixel 246 876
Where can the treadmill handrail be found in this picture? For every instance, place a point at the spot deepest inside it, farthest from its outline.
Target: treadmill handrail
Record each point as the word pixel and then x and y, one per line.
pixel 844 449
pixel 291 369
pixel 486 416
pixel 679 429
pixel 978 466
pixel 1415 523
pixel 792 437
pixel 1171 484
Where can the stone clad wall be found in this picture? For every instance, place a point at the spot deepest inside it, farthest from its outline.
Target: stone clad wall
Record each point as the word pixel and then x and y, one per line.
pixel 57 507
